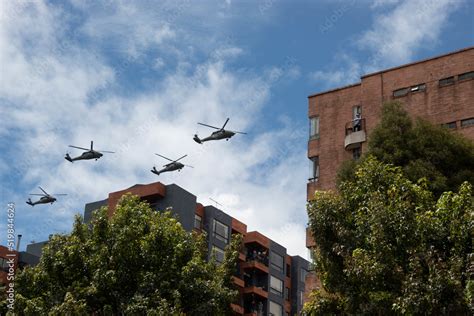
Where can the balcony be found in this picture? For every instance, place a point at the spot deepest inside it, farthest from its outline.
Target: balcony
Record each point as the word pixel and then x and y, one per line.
pixel 260 291
pixel 238 281
pixel 237 309
pixel 254 264
pixel 355 134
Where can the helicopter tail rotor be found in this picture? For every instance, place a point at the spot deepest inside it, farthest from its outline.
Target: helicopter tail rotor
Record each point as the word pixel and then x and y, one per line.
pixel 29 202
pixel 155 171
pixel 197 139
pixel 68 158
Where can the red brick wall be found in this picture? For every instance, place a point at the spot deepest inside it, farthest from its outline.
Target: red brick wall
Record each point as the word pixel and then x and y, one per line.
pixel 436 104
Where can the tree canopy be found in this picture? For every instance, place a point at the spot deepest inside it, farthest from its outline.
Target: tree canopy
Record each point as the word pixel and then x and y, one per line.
pixel 422 149
pixel 386 246
pixel 138 262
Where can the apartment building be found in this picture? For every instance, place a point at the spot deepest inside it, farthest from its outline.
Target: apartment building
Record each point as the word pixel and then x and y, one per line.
pixel 439 89
pixel 270 281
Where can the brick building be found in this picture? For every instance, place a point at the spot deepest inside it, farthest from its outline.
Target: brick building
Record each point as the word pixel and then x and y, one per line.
pixel 438 89
pixel 270 281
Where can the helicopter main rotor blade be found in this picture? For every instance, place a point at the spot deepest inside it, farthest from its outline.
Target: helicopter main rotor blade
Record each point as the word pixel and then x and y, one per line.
pixel 43 190
pixel 180 158
pixel 37 194
pixel 189 166
pixel 59 194
pixel 92 145
pixel 106 151
pixel 164 157
pixel 208 126
pixel 226 121
pixel 79 147
pixel 238 132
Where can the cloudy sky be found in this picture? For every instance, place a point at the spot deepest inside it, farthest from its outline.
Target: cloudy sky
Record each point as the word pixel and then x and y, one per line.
pixel 136 77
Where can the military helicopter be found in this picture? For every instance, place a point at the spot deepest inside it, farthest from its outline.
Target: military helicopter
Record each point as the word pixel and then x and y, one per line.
pixel 45 198
pixel 89 154
pixel 172 166
pixel 221 133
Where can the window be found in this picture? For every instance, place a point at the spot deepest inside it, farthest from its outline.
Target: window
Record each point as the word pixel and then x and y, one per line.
pixel 275 309
pixel 450 125
pixel 467 122
pixel 356 110
pixel 288 270
pixel 356 152
pixel 287 294
pixel 276 286
pixel 466 76
pixel 417 88
pixel 303 275
pixel 446 81
pixel 314 127
pixel 197 221
pixel 221 231
pixel 301 298
pixel 218 253
pixel 400 92
pixel 314 169
pixel 276 261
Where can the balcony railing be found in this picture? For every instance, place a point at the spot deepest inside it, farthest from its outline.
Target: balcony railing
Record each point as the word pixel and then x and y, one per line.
pixel 355 133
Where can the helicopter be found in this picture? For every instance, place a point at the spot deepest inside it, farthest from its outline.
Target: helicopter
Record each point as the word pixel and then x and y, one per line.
pixel 172 166
pixel 45 198
pixel 89 154
pixel 221 133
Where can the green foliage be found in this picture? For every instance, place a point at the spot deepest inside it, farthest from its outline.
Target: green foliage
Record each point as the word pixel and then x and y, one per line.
pixel 138 262
pixel 423 150
pixel 387 246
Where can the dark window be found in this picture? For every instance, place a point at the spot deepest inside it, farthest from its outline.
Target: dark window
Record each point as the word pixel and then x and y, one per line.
pixel 218 253
pixel 197 221
pixel 446 81
pixel 356 152
pixel 303 275
pixel 465 76
pixel 221 231
pixel 287 294
pixel 275 309
pixel 276 286
pixel 451 125
pixel 314 169
pixel 467 122
pixel 314 127
pixel 356 111
pixel 417 88
pixel 400 92
pixel 288 270
pixel 276 261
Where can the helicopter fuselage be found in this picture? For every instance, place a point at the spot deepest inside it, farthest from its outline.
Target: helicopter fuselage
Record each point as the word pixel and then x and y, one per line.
pixel 91 154
pixel 42 200
pixel 169 167
pixel 223 134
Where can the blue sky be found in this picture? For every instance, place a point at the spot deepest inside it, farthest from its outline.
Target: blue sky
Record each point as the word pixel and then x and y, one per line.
pixel 136 77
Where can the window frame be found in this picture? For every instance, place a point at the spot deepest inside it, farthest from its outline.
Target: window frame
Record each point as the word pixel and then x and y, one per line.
pixel 314 172
pixel 278 306
pixel 470 122
pixel 469 76
pixel 217 250
pixel 218 236
pixel 196 216
pixel 448 81
pixel 404 92
pixel 274 266
pixel 275 290
pixel 314 135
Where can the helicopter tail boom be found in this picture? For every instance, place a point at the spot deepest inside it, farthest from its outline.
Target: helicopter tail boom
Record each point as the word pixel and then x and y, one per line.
pixel 197 139
pixel 68 158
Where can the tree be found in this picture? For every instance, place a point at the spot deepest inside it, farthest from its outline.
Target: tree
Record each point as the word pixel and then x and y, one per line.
pixel 446 159
pixel 138 262
pixel 386 246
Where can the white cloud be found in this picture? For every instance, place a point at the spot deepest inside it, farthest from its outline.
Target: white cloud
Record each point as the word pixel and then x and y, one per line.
pixel 400 29
pixel 259 178
pixel 396 36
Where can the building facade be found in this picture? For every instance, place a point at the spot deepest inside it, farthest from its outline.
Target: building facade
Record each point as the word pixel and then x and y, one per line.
pixel 270 281
pixel 439 90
